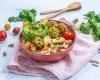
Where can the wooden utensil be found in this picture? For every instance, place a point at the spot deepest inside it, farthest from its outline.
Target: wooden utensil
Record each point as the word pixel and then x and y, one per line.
pixel 73 6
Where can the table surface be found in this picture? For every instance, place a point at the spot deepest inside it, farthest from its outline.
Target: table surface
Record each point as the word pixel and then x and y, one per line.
pixel 8 8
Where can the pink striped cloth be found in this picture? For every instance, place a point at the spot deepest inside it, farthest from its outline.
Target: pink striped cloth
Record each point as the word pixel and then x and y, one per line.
pixel 82 52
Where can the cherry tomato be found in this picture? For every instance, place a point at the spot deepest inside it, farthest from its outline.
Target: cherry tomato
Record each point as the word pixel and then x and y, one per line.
pixel 16 30
pixel 68 35
pixel 7 27
pixel 3 35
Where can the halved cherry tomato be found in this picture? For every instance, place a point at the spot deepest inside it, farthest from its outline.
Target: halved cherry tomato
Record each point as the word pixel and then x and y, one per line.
pixel 68 35
pixel 3 35
pixel 16 30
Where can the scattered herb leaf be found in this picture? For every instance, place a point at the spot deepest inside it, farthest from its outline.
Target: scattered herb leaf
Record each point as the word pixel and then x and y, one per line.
pixel 11 45
pixel 95 65
pixel 75 20
pixel 94 61
pixel 4 54
pixel 99 51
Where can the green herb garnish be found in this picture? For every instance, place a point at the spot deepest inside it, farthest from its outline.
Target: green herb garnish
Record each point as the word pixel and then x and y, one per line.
pixel 92 26
pixel 32 28
pixel 24 15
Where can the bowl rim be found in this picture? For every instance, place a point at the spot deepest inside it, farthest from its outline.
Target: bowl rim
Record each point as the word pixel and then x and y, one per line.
pixel 38 53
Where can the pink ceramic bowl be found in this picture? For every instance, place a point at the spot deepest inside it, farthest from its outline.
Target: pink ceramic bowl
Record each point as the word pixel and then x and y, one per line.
pixel 54 57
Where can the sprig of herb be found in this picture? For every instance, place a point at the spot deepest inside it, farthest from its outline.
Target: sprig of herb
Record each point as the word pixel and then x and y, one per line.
pixel 24 15
pixel 92 25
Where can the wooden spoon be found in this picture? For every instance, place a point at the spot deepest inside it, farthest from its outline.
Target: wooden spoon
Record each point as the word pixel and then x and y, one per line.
pixel 73 6
pixel 70 7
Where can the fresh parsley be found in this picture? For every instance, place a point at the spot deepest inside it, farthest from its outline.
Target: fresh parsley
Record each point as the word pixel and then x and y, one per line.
pixel 24 15
pixel 92 26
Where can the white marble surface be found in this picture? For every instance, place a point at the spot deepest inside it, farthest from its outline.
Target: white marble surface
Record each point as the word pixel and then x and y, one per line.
pixel 8 8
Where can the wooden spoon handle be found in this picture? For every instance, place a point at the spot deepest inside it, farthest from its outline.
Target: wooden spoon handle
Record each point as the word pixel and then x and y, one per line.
pixel 54 15
pixel 49 11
